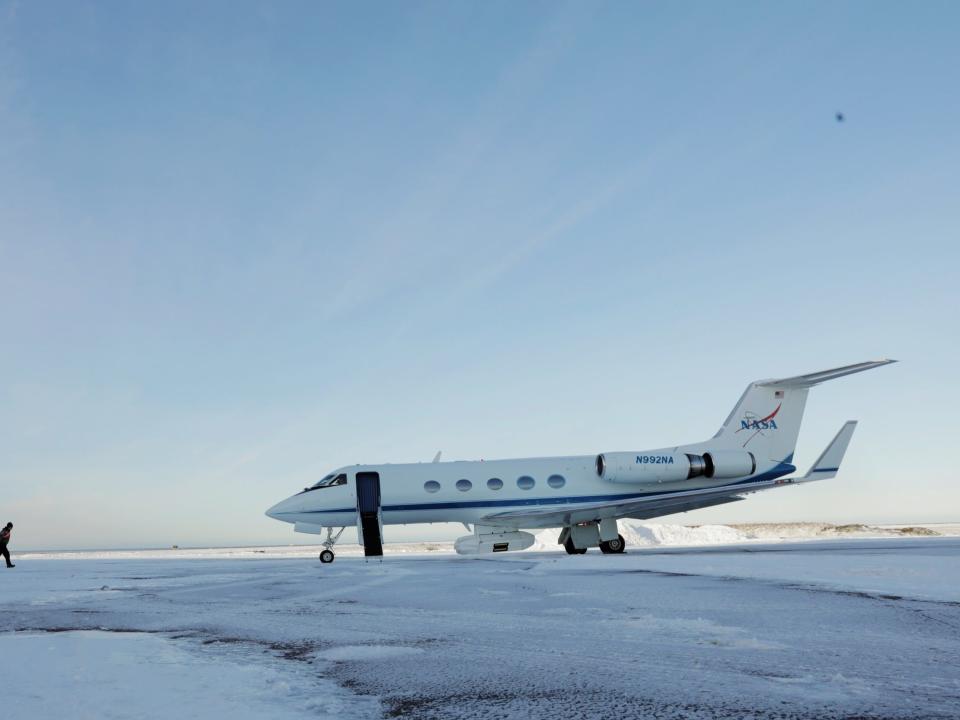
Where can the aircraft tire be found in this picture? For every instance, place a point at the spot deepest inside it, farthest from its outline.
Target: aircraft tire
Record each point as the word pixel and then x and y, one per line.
pixel 613 547
pixel 571 550
pixel 326 556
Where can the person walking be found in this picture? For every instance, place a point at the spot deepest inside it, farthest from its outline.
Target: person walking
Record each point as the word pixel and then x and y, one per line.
pixel 4 539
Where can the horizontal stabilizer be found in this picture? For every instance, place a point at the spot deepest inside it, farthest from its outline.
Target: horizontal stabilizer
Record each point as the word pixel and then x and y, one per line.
pixel 829 461
pixel 816 378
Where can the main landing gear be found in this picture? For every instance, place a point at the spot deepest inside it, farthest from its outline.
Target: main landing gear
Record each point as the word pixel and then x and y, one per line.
pixel 595 533
pixel 326 555
pixel 611 547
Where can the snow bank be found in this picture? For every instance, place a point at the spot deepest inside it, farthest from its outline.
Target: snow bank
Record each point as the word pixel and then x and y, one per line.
pixel 814 530
pixel 638 534
pixel 641 535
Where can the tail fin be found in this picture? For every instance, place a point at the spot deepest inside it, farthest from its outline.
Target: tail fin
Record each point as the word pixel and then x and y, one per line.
pixel 829 461
pixel 766 420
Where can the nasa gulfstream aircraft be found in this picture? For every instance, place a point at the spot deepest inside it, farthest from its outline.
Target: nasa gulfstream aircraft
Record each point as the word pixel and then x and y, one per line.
pixel 585 494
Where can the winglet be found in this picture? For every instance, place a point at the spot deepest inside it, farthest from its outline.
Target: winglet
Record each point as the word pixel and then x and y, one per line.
pixel 829 461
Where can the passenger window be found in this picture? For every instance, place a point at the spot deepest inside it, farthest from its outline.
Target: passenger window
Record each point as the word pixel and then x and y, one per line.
pixel 494 483
pixel 431 486
pixel 525 482
pixel 464 485
pixel 556 481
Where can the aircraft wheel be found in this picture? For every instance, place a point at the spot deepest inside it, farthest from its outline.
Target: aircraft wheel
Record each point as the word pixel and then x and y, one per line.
pixel 571 550
pixel 613 547
pixel 326 556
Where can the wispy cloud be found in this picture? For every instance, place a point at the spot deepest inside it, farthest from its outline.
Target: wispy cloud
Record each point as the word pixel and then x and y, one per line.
pixel 402 245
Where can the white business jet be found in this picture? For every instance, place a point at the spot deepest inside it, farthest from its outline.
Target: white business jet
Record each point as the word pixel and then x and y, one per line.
pixel 584 494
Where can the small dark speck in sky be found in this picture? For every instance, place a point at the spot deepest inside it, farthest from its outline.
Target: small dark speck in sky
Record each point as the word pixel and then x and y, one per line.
pixel 840 117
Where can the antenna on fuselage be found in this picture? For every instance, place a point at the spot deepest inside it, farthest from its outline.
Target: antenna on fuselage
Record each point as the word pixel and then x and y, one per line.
pixel 436 458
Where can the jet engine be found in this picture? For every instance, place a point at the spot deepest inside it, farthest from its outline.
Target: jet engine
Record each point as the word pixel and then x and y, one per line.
pixel 668 465
pixel 729 463
pixel 649 466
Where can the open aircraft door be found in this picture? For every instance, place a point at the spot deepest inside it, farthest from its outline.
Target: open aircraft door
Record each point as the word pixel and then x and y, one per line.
pixel 369 522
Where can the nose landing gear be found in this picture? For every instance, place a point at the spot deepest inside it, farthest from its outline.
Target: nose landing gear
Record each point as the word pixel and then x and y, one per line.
pixel 326 555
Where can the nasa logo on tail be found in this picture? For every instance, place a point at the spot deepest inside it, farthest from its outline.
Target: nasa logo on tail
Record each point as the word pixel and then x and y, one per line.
pixel 750 421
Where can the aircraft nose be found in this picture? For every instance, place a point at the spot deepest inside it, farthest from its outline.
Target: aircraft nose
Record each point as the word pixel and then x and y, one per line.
pixel 277 511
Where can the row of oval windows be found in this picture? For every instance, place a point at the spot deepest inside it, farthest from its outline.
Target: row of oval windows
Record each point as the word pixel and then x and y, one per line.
pixel 524 482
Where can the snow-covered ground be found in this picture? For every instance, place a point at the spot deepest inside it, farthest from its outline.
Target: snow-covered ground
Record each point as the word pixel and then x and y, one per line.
pixel 817 629
pixel 637 534
pixel 95 674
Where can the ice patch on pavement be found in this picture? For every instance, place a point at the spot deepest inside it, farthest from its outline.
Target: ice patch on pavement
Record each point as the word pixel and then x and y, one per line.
pixel 701 631
pixel 367 652
pixel 91 675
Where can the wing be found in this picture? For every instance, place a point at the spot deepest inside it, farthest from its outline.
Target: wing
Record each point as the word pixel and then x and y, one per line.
pixel 641 509
pixel 653 506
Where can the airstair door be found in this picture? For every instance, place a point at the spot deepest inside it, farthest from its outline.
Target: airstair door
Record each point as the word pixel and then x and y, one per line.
pixel 369 525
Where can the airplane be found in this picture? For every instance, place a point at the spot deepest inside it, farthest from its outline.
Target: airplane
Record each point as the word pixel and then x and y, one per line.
pixel 583 495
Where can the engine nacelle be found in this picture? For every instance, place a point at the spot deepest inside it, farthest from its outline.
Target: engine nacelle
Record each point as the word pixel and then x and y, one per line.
pixel 660 466
pixel 649 466
pixel 729 463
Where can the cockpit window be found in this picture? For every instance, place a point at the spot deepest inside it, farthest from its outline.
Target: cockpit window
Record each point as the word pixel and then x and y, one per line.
pixel 330 481
pixel 323 482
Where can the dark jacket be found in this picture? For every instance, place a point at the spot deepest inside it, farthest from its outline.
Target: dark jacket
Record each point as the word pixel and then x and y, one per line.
pixel 4 537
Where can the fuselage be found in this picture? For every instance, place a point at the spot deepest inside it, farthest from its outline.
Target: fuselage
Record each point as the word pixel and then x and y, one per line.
pixel 466 491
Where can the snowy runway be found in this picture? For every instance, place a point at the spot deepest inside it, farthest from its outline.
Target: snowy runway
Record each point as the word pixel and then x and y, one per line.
pixel 867 628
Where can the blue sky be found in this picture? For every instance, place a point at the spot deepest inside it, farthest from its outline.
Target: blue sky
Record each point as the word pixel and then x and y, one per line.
pixel 244 243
